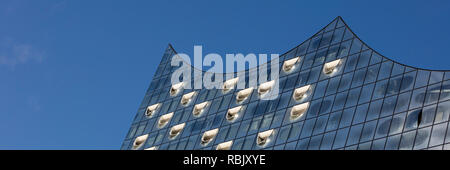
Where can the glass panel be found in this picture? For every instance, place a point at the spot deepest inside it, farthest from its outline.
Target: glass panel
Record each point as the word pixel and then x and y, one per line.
pixel 232 132
pixel 443 112
pixel 378 144
pixel 352 98
pixel 364 59
pixel 392 142
pixel 307 128
pixel 351 63
pixel 432 95
pixel 334 120
pixel 407 140
pixel 355 133
pixel 402 102
pixel 341 137
pixel 380 89
pixel 372 73
pixel 438 134
pixel 315 142
pixel 436 76
pixel 374 111
pixel 417 98
pixel 320 89
pixel 255 125
pixel 397 123
pixel 347 117
pixel 356 46
pixel 428 115
pixel 411 120
pixel 283 134
pixel 337 35
pixel 345 81
pixel 295 131
pixel 388 106
pixel 422 138
pixel 267 120
pixel 243 128
pixel 360 115
pixel 237 144
pixel 394 85
pixel 339 101
pixel 320 124
pixel 366 93
pixel 445 91
pixel 358 78
pixel 302 144
pixel 383 127
pixel 423 76
pixel 408 81
pixel 327 141
pixel 385 70
pixel 278 119
pixel 333 85
pixel 397 69
pixel 368 131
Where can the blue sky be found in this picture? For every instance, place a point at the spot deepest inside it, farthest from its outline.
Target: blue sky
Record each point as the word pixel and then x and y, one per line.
pixel 73 73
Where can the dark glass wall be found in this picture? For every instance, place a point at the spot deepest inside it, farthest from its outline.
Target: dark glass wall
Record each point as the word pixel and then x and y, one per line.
pixel 366 102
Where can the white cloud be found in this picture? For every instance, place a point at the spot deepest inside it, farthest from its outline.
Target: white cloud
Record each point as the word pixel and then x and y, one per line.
pixel 13 53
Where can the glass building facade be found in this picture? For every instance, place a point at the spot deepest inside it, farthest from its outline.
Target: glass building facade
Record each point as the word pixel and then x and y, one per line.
pixel 336 93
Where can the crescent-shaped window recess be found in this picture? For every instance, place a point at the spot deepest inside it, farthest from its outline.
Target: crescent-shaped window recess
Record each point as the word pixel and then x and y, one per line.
pixel 224 145
pixel 176 88
pixel 288 65
pixel 264 137
pixel 243 94
pixel 233 113
pixel 164 119
pixel 300 93
pixel 265 87
pixel 152 148
pixel 139 141
pixel 229 84
pixel 152 109
pixel 299 110
pixel 208 136
pixel 198 108
pixel 330 67
pixel 175 130
pixel 187 98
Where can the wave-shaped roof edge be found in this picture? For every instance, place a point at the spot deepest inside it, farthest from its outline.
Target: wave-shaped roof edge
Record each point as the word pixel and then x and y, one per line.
pixel 337 19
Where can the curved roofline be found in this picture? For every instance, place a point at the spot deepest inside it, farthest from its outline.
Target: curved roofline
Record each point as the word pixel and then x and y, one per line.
pixel 337 19
pixel 387 58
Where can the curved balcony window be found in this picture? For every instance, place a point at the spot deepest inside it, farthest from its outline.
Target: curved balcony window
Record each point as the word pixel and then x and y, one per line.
pixel 243 94
pixel 199 108
pixel 264 88
pixel 164 119
pixel 175 130
pixel 299 110
pixel 176 88
pixel 300 93
pixel 208 136
pixel 152 109
pixel 229 84
pixel 186 99
pixel 224 145
pixel 233 113
pixel 289 65
pixel 152 148
pixel 264 137
pixel 330 67
pixel 139 142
